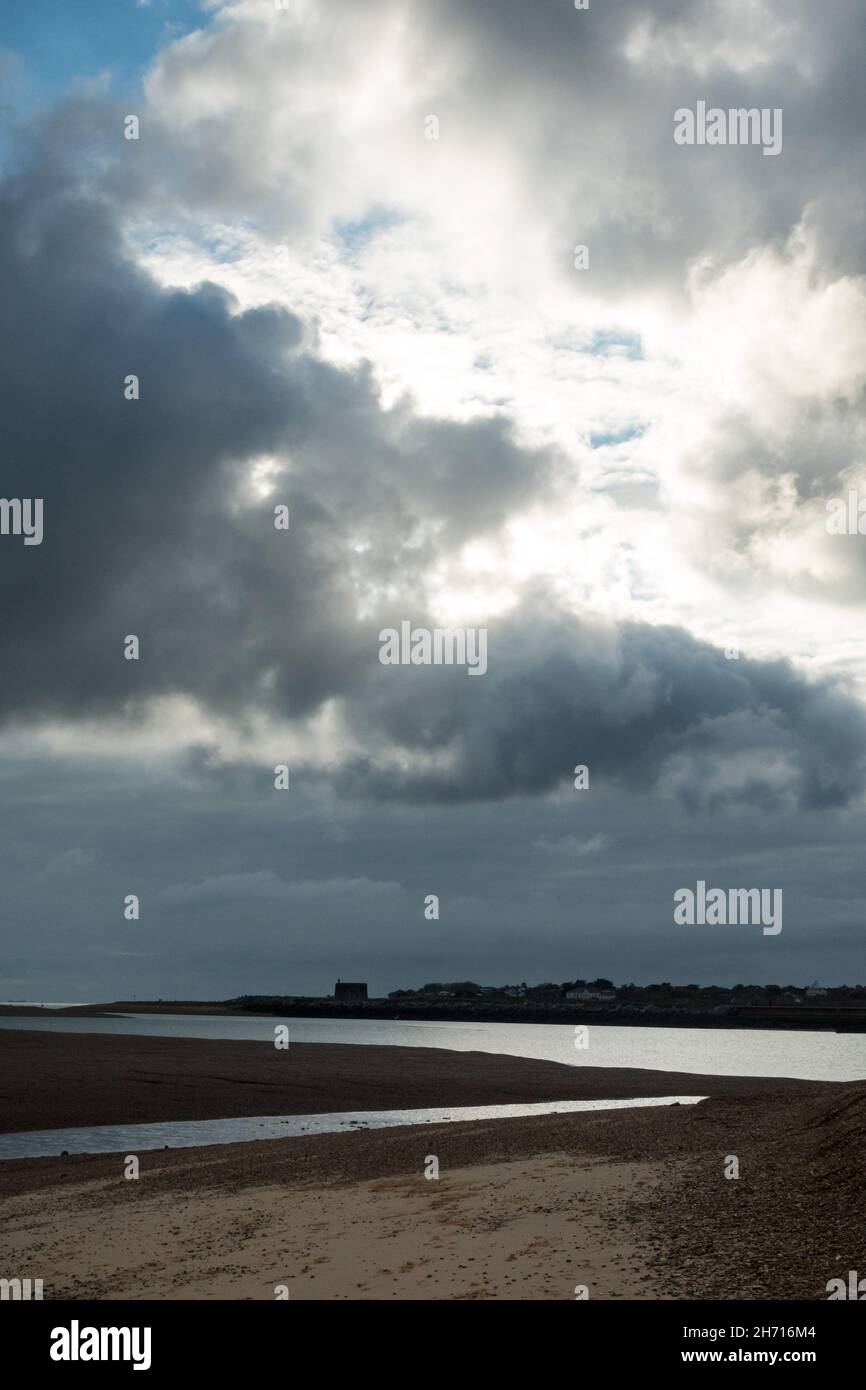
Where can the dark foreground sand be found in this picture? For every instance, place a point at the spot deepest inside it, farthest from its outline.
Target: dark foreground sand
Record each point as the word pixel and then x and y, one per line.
pixel 633 1204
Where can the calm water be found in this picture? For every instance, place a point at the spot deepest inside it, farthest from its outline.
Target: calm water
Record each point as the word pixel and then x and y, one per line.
pixel 712 1051
pixel 189 1134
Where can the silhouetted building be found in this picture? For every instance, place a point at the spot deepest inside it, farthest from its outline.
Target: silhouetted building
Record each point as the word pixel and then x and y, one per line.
pixel 346 990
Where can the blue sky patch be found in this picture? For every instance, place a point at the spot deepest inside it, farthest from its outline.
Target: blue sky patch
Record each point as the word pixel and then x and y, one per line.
pixel 60 44
pixel 601 441
pixel 617 344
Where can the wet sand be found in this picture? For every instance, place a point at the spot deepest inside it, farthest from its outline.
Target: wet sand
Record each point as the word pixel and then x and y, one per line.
pixel 61 1080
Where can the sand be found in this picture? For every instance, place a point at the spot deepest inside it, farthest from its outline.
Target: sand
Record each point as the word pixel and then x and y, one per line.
pixel 491 1231
pixel 633 1204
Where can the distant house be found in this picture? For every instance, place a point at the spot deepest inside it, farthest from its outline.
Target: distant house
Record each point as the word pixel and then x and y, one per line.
pixel 348 991
pixel 815 992
pixel 584 994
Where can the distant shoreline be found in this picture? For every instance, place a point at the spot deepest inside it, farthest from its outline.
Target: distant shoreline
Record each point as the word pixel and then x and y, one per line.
pixel 800 1018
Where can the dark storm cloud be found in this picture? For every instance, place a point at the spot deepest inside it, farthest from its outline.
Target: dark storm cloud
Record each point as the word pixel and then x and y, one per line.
pixel 150 529
pixel 641 706
pixel 150 526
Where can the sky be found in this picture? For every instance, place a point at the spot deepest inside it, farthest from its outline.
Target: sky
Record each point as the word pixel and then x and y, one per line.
pixel 341 259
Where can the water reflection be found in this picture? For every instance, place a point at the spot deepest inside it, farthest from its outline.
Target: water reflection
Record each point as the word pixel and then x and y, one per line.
pixel 48 1143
